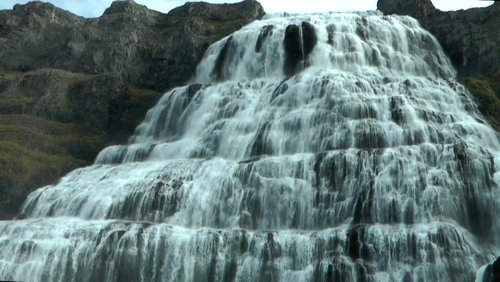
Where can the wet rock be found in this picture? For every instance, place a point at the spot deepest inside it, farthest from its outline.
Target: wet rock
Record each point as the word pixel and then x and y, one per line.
pixel 298 43
pixel 309 38
pixel 293 49
pixel 192 90
pixel 397 114
pixel 355 245
pixel 492 272
pixel 272 249
pixel 495 271
pixel 264 34
pixel 218 71
pixel 331 33
pixel 282 88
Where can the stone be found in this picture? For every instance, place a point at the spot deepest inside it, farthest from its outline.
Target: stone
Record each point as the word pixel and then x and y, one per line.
pixel 298 43
pixel 265 32
pixel 495 271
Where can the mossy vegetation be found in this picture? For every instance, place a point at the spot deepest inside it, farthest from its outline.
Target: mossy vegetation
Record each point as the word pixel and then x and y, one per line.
pixel 50 136
pixel 17 104
pixel 486 93
pixel 142 99
pixel 36 152
pixel 80 82
pixel 22 164
pixel 53 121
pixel 5 74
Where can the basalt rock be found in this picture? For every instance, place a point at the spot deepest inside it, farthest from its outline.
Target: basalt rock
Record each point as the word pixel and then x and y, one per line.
pixel 495 270
pixel 298 43
pixel 264 34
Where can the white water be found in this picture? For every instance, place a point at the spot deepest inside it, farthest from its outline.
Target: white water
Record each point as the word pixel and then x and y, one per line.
pixel 372 164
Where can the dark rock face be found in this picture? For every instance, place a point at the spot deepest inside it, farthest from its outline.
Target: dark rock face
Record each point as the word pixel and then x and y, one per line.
pixel 218 70
pixel 471 38
pixel 492 272
pixel 264 34
pixel 495 271
pixel 69 86
pixel 146 48
pixel 298 43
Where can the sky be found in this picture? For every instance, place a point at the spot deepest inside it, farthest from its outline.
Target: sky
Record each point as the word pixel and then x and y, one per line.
pixel 95 8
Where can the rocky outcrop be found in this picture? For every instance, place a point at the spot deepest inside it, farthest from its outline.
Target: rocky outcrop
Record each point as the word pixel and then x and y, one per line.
pixel 471 39
pixel 298 43
pixel 492 272
pixel 69 86
pixel 146 48
pixel 495 270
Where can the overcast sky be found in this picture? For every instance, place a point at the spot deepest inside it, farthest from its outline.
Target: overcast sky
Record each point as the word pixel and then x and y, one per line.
pixel 95 8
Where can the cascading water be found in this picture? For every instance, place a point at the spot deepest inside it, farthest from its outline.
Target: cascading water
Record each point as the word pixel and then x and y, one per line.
pixel 361 159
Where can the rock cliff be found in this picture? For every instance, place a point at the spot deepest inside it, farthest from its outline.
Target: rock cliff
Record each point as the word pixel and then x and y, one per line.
pixel 144 47
pixel 70 86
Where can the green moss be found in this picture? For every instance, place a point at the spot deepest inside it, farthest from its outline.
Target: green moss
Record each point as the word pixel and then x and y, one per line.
pixel 52 137
pixel 17 104
pixel 137 95
pixel 494 82
pixel 80 81
pixel 35 152
pixel 21 165
pixel 142 100
pixel 5 74
pixel 486 93
pixel 79 88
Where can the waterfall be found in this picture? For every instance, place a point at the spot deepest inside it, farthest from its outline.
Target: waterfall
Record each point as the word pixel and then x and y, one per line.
pixel 360 159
